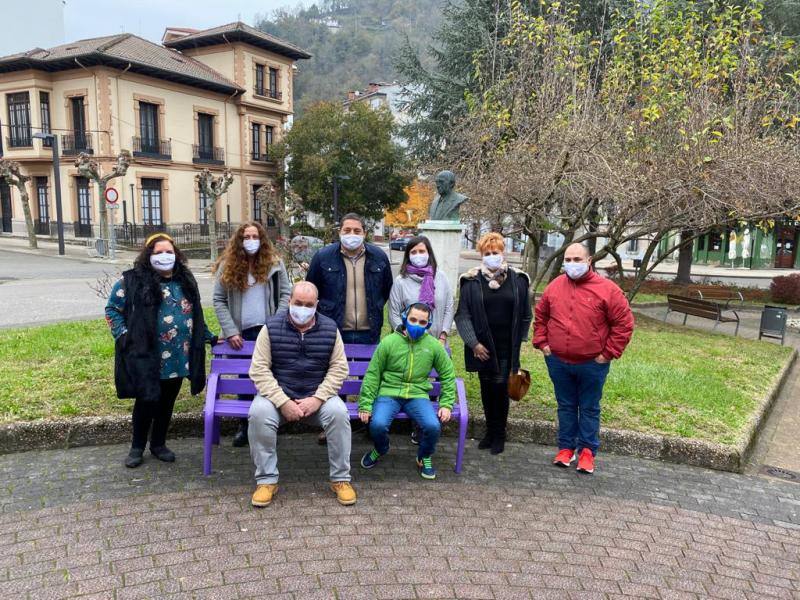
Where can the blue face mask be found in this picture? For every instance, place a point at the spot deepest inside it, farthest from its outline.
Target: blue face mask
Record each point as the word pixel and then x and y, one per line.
pixel 414 331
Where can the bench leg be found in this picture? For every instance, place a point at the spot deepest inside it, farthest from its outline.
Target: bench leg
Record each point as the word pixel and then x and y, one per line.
pixel 463 423
pixel 685 316
pixel 208 435
pixel 215 435
pixel 736 332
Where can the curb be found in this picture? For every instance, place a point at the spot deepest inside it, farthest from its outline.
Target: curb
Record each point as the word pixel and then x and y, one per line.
pixel 97 431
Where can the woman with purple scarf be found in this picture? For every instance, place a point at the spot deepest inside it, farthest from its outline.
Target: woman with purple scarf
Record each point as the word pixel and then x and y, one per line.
pixel 420 281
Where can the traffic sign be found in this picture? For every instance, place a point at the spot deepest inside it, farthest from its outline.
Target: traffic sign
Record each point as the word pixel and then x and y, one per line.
pixel 112 195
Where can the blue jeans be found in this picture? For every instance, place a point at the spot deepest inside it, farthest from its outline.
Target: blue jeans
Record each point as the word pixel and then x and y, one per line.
pixel 578 389
pixel 360 337
pixel 421 410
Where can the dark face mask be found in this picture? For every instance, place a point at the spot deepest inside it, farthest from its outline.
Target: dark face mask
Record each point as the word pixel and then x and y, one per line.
pixel 415 331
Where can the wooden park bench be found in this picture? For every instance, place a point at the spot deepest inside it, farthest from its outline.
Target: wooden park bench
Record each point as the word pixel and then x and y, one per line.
pixel 701 308
pixel 225 383
pixel 716 293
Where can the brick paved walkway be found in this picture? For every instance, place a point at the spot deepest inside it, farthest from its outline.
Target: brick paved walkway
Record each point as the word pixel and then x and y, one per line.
pixel 75 523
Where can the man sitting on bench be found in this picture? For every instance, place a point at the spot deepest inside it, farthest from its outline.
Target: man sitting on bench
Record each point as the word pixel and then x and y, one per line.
pixel 298 367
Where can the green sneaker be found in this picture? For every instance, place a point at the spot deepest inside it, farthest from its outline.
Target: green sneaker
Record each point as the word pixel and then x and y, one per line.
pixel 425 466
pixel 370 459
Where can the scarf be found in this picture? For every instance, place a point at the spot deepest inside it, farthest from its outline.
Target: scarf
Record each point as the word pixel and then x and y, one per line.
pixel 427 293
pixel 497 278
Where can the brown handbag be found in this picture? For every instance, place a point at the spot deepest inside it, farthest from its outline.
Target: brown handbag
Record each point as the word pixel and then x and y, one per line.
pixel 518 384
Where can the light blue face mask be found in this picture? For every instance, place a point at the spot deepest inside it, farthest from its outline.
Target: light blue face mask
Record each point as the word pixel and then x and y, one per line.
pixel 576 270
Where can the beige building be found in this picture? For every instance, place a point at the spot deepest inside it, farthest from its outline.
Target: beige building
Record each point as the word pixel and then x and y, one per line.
pixel 203 99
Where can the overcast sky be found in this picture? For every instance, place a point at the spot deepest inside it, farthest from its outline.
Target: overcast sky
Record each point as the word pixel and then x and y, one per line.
pixel 148 18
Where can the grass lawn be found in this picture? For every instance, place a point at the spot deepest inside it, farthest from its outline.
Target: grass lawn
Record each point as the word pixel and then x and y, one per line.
pixel 672 380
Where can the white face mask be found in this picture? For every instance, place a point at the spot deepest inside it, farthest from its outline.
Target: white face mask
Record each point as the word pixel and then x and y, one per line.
pixel 493 261
pixel 251 246
pixel 352 241
pixel 576 270
pixel 162 262
pixel 301 314
pixel 418 260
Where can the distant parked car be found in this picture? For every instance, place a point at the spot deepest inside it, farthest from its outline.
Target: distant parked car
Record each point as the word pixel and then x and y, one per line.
pixel 399 243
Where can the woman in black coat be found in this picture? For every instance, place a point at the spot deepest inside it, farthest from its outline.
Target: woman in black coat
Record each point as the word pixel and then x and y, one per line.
pixel 157 322
pixel 493 319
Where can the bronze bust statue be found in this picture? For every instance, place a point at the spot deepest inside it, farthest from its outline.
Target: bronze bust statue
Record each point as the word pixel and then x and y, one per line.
pixel 445 206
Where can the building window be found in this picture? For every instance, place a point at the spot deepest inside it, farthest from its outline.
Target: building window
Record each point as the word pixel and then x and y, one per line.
pixel 83 228
pixel 205 135
pixel 273 82
pixel 148 127
pixel 151 201
pixel 375 103
pixel 256 204
pixel 19 119
pixel 43 200
pixel 79 122
pixel 256 141
pixel 268 131
pixel 44 111
pixel 260 80
pixel 204 202
pixel 633 246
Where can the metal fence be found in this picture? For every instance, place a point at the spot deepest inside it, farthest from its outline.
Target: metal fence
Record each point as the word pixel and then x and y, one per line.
pixel 188 235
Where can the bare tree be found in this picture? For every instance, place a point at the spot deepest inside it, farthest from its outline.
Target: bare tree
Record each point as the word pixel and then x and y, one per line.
pixel 213 188
pixel 10 171
pixel 91 169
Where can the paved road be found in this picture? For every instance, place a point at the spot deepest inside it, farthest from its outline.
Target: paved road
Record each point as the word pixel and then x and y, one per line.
pixel 42 289
pixel 76 522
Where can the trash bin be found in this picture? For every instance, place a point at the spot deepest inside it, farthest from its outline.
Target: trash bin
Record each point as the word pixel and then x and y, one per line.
pixel 773 323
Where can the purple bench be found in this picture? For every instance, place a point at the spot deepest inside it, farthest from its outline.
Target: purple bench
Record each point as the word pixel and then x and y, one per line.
pixel 225 380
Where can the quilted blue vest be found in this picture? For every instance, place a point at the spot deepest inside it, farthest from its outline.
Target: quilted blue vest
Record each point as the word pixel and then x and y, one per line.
pixel 300 361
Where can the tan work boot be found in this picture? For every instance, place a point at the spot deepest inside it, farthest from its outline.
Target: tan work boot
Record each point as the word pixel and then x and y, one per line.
pixel 345 493
pixel 263 494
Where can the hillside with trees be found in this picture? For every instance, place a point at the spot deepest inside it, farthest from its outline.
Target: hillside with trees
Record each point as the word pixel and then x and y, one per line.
pixel 353 42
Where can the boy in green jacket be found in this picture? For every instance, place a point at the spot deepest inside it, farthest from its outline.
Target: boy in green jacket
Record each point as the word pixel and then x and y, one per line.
pixel 398 379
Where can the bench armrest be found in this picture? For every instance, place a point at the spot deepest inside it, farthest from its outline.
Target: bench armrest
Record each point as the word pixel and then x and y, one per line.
pixel 211 394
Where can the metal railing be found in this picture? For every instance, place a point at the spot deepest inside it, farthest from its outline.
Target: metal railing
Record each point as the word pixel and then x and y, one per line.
pixel 261 157
pixel 19 140
pixel 262 91
pixel 76 143
pixel 207 154
pixel 41 227
pixel 187 235
pixel 82 229
pixel 152 148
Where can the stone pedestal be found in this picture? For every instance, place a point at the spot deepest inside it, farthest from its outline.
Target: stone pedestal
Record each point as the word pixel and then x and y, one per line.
pixel 445 237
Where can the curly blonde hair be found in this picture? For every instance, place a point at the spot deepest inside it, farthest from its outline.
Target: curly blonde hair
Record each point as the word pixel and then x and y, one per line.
pixel 236 263
pixel 491 241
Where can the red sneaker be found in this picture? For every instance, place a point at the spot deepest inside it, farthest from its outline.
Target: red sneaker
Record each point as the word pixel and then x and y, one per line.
pixel 564 458
pixel 586 461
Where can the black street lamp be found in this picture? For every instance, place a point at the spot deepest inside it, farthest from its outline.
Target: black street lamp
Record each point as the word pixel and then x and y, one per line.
pixel 57 181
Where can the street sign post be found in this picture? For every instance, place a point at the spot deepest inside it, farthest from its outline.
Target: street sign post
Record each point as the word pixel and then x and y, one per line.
pixel 112 196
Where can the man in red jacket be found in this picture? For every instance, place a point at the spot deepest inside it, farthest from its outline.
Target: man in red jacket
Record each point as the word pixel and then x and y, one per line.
pixel 583 322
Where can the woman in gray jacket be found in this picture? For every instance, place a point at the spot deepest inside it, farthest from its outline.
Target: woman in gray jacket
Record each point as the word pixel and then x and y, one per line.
pixel 420 281
pixel 251 285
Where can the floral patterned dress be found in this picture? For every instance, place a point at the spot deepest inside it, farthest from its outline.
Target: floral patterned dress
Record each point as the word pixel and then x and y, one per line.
pixel 175 326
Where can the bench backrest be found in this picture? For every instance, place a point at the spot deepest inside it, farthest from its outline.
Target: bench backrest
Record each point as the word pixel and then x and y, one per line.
pixel 714 292
pixel 229 364
pixel 693 306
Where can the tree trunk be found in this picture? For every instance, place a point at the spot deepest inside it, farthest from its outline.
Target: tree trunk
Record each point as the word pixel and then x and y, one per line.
pixel 102 209
pixel 211 211
pixel 555 267
pixel 685 256
pixel 26 210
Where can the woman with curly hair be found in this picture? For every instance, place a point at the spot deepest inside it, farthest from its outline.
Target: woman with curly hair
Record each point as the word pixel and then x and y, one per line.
pixel 252 284
pixel 157 322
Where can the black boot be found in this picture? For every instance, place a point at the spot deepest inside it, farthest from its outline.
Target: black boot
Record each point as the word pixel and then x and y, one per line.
pixel 498 444
pixel 134 458
pixel 240 439
pixel 163 453
pixel 487 392
pixel 501 405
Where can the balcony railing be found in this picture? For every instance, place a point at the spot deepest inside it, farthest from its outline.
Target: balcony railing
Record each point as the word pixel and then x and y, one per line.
pixel 208 155
pixel 76 143
pixel 21 139
pixel 149 148
pixel 261 157
pixel 262 91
